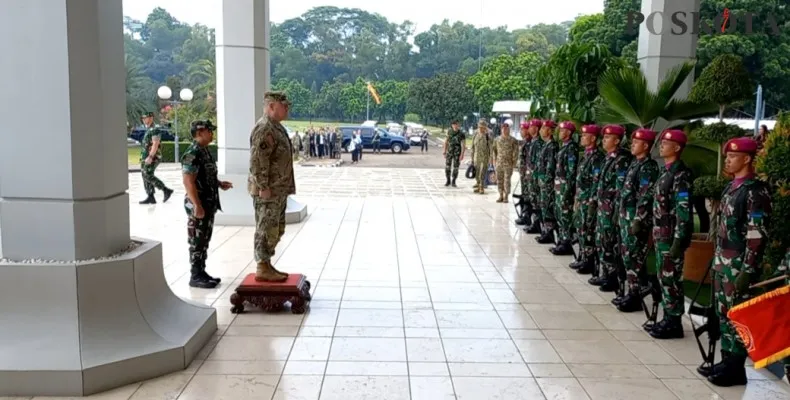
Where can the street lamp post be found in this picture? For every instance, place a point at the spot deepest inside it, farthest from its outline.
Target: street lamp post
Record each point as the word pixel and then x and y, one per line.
pixel 165 93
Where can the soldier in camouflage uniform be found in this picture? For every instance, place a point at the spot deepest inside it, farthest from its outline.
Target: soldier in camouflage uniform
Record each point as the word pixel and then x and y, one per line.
pixel 636 218
pixel 270 182
pixel 545 171
pixel 454 148
pixel 523 161
pixel 565 188
pixel 150 157
pixel 673 224
pixel 741 238
pixel 586 202
pixel 505 154
pixel 535 146
pixel 481 154
pixel 609 185
pixel 201 201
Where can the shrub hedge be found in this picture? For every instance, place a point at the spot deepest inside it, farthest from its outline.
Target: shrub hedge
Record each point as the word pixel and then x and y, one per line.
pixel 168 150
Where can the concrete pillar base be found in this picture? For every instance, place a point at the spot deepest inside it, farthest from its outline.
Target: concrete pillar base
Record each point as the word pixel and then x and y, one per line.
pixel 237 205
pixel 78 328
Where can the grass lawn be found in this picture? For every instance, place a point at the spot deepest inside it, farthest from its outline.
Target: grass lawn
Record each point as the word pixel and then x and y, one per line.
pixel 134 155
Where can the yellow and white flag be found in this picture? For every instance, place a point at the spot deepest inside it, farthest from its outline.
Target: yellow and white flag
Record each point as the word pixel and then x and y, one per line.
pixel 374 93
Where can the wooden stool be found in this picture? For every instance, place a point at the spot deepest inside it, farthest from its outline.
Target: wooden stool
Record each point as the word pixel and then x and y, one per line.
pixel 272 296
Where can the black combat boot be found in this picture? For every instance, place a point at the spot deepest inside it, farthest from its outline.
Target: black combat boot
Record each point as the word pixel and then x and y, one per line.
pixel 448 181
pixel 576 264
pixel 670 327
pixel 149 200
pixel 587 267
pixel 200 279
pixel 562 249
pixel 618 299
pixel 452 183
pixel 731 373
pixel 521 221
pixel 707 371
pixel 610 284
pixel 533 228
pixel 168 193
pixel 545 238
pixel 630 303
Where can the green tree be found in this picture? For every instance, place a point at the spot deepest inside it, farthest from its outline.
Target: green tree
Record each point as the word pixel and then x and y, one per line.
pixel 506 78
pixel 725 81
pixel 442 98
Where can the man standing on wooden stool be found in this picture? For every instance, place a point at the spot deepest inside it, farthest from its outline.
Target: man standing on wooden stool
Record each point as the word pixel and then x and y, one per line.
pixel 270 182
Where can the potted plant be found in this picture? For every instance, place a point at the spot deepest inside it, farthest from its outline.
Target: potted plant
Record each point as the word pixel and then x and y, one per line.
pixel 699 254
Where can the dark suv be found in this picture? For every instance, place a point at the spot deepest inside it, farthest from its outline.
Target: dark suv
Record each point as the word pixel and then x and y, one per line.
pixel 138 133
pixel 394 143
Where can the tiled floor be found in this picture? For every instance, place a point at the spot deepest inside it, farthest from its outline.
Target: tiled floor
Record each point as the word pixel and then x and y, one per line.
pixel 419 292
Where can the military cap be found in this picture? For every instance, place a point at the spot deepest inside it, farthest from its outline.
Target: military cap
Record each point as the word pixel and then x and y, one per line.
pixel 615 130
pixel 198 125
pixel 278 97
pixel 741 145
pixel 549 123
pixel 525 125
pixel 536 122
pixel 568 125
pixel 591 129
pixel 675 135
pixel 148 114
pixel 508 122
pixel 644 134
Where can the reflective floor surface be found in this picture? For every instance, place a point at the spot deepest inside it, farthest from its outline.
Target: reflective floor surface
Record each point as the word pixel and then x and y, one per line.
pixel 419 292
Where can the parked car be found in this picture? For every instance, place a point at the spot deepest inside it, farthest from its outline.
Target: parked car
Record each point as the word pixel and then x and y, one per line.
pixel 394 143
pixel 138 133
pixel 131 142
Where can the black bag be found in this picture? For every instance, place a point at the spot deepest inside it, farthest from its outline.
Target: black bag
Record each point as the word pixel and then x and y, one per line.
pixel 471 172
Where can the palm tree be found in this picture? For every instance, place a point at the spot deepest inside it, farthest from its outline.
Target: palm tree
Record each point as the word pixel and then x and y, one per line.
pixel 205 72
pixel 135 83
pixel 628 100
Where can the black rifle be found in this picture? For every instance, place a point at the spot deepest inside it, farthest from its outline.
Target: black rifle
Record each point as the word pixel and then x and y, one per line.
pixel 651 287
pixel 711 324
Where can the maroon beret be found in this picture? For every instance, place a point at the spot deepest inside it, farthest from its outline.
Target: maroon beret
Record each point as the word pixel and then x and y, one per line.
pixel 536 122
pixel 568 125
pixel 549 123
pixel 591 129
pixel 616 130
pixel 675 135
pixel 741 145
pixel 644 134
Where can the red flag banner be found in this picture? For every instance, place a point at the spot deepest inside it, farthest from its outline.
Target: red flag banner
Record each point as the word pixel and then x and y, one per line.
pixel 764 325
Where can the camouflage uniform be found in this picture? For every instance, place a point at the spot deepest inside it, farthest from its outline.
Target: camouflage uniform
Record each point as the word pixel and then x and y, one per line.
pixel 455 142
pixel 523 164
pixel 533 191
pixel 741 238
pixel 271 167
pixel 609 185
pixel 198 160
pixel 481 153
pixel 150 181
pixel 505 154
pixel 673 224
pixel 545 171
pixel 565 188
pixel 636 207
pixel 586 201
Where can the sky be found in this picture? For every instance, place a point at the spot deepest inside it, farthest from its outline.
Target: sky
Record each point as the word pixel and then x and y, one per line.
pixel 511 13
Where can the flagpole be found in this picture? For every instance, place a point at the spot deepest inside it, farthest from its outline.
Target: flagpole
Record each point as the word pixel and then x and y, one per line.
pixel 367 106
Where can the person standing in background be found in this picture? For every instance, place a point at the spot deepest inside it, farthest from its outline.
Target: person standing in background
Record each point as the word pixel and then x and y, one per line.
pixel 150 157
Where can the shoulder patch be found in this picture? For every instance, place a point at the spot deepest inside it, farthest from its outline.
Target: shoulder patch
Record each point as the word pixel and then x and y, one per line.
pixel 644 181
pixel 596 170
pixel 757 214
pixel 683 194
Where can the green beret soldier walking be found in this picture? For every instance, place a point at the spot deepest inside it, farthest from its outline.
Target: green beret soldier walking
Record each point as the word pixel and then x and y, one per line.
pixel 673 224
pixel 150 157
pixel 201 201
pixel 454 148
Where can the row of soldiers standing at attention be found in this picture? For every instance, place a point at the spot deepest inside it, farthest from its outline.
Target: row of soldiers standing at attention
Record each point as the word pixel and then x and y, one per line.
pixel 614 202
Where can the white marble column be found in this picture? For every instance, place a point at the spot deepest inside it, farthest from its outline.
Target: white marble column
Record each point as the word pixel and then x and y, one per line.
pixel 74 318
pixel 657 54
pixel 243 75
